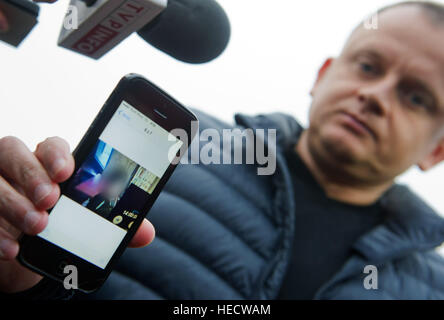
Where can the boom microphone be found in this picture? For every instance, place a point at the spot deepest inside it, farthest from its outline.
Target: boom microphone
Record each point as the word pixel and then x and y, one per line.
pixel 193 31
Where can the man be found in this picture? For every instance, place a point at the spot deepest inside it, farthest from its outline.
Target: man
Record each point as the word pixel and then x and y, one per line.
pixel 331 215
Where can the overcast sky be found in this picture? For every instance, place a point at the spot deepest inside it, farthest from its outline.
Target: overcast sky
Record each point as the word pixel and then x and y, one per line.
pixel 270 64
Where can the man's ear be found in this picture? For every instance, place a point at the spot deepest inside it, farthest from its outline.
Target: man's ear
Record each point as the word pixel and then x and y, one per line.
pixel 321 73
pixel 435 157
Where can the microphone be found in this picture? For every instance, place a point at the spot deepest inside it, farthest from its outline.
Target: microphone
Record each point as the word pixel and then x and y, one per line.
pixel 193 31
pixel 93 28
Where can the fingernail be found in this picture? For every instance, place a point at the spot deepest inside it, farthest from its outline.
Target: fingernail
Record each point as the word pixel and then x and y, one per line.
pixel 31 219
pixel 5 246
pixel 58 166
pixel 42 191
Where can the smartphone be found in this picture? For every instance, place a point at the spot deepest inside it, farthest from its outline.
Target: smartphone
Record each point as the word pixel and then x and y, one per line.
pixel 122 164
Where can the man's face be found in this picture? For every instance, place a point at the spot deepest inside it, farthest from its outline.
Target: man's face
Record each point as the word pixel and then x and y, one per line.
pixel 379 107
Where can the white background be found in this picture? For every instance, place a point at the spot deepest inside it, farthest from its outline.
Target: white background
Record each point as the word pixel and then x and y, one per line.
pixel 270 64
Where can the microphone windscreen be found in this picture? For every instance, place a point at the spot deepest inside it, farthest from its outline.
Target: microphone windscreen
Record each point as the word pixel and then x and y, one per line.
pixel 193 31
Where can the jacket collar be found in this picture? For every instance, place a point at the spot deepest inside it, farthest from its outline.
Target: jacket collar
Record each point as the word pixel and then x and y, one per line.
pixel 411 224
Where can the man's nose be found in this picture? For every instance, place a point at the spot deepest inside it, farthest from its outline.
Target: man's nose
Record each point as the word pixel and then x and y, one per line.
pixel 375 97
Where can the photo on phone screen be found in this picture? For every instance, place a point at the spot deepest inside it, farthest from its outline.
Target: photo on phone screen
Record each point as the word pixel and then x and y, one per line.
pixel 109 189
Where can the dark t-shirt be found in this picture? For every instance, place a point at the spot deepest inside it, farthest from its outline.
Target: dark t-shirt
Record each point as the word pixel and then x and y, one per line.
pixel 325 230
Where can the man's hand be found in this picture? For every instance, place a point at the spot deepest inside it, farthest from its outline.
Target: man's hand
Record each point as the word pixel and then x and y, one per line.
pixel 28 187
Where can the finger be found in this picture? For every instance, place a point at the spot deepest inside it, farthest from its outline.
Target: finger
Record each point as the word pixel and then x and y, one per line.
pixel 4 25
pixel 9 228
pixel 21 166
pixel 144 235
pixel 56 158
pixel 8 247
pixel 19 211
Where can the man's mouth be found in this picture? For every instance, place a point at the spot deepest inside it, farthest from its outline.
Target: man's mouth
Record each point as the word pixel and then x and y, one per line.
pixel 357 125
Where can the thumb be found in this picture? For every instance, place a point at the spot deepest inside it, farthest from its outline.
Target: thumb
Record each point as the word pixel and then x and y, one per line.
pixel 144 235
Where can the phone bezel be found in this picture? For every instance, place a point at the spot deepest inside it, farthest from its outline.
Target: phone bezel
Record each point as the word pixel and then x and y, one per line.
pixel 47 258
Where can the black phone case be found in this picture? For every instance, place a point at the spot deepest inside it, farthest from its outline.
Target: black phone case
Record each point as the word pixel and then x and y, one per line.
pixel 26 242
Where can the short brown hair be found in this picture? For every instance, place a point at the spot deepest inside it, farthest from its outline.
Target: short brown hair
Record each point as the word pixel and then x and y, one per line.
pixel 433 10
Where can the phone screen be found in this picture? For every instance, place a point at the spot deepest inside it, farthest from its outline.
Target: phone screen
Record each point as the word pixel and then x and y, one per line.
pixel 106 194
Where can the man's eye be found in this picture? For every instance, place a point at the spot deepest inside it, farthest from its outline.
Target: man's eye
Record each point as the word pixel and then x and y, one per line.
pixel 417 99
pixel 367 68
